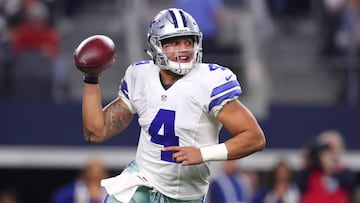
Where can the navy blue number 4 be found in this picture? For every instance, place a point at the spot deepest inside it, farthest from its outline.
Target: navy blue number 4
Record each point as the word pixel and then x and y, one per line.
pixel 213 67
pixel 162 131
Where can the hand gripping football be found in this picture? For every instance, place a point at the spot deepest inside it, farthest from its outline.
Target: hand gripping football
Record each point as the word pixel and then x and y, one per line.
pixel 95 54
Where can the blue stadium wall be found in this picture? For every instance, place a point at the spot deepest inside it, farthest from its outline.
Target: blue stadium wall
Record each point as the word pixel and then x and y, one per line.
pixel 45 123
pixel 29 123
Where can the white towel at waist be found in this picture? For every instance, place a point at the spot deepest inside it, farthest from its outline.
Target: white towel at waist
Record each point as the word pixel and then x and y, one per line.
pixel 123 186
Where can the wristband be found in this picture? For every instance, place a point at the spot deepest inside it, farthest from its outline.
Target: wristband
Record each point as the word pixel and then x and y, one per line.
pixel 91 80
pixel 217 152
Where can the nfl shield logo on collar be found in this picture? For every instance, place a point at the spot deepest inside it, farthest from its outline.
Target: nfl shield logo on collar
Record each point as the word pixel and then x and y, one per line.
pixel 163 98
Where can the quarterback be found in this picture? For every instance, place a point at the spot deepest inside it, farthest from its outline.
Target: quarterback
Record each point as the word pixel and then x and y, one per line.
pixel 181 105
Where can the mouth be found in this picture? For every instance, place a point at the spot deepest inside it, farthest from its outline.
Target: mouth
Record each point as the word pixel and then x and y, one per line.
pixel 183 59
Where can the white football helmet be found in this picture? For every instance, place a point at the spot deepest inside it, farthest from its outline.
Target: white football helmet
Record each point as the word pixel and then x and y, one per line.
pixel 170 23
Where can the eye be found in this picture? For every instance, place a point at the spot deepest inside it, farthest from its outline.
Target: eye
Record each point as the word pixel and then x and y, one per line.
pixel 189 42
pixel 170 44
pixel 165 46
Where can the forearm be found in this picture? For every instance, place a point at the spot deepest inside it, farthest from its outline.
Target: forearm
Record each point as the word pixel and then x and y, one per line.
pixel 237 147
pixel 92 113
pixel 245 143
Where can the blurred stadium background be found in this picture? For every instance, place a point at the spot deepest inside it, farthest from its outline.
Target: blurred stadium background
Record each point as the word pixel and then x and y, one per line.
pixel 295 89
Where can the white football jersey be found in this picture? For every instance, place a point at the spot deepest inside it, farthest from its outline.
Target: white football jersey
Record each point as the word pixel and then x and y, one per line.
pixel 182 115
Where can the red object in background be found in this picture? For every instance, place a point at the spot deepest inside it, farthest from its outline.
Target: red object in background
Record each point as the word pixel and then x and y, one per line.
pixel 31 36
pixel 317 191
pixel 95 54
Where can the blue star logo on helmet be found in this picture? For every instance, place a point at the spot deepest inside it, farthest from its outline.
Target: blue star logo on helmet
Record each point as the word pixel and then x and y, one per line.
pixel 154 22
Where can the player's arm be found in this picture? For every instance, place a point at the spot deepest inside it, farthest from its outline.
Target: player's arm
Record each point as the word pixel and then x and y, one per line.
pixel 248 137
pixel 99 123
pixel 94 55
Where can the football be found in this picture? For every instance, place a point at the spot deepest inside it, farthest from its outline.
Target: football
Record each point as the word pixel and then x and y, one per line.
pixel 95 54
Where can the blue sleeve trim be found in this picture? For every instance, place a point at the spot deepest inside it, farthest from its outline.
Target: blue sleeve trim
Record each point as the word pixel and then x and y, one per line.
pixel 124 88
pixel 219 100
pixel 224 87
pixel 141 63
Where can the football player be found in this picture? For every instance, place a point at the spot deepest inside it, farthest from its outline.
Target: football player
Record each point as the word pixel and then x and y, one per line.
pixel 181 105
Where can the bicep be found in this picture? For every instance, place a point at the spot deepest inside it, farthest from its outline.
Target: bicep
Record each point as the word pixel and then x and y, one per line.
pixel 236 118
pixel 239 121
pixel 117 117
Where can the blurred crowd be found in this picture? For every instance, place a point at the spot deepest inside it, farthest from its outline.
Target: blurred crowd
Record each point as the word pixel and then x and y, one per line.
pixel 32 66
pixel 32 52
pixel 85 188
pixel 322 176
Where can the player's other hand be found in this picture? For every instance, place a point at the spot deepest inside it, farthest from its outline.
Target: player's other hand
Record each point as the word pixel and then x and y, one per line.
pixel 94 55
pixel 185 155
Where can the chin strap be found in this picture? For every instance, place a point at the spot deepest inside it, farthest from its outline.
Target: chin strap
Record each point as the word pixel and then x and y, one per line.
pixel 180 68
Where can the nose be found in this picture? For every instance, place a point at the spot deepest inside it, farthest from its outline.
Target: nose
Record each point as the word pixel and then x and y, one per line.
pixel 181 45
pixel 184 46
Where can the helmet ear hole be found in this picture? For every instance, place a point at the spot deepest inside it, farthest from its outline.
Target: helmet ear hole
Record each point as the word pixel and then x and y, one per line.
pixel 154 40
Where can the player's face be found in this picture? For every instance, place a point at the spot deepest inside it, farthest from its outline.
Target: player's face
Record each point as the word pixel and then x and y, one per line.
pixel 179 49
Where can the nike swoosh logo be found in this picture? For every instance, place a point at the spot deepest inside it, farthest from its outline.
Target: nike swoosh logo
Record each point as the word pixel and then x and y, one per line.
pixel 228 77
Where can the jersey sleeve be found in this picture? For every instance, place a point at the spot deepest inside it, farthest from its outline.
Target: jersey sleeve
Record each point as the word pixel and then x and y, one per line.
pixel 125 88
pixel 225 88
